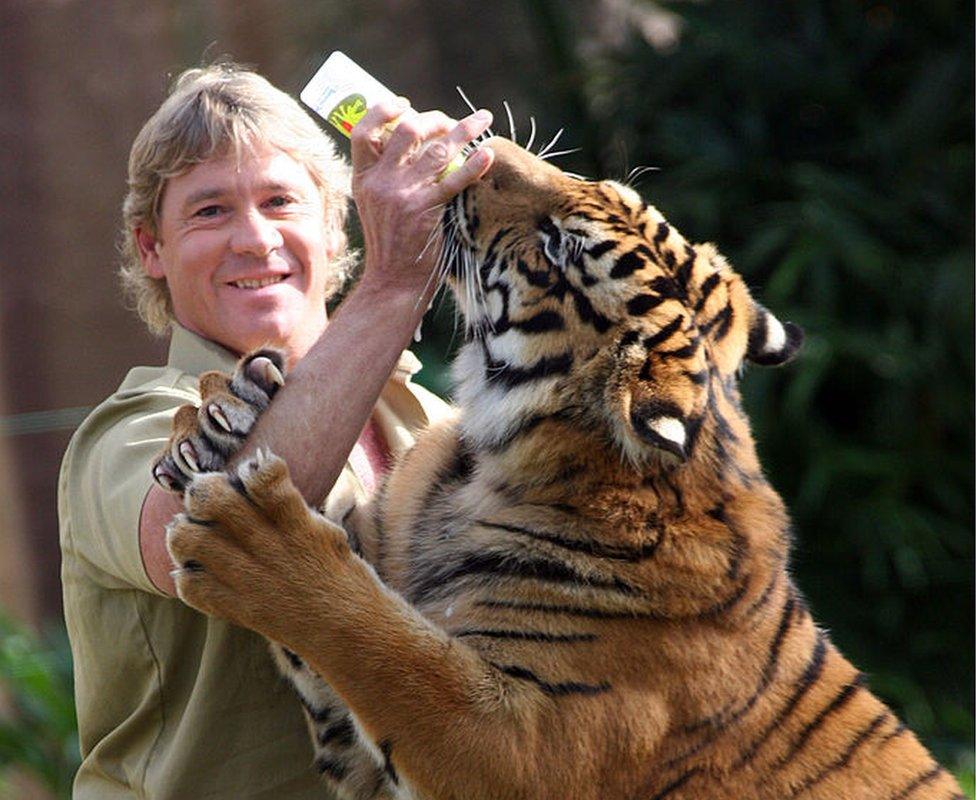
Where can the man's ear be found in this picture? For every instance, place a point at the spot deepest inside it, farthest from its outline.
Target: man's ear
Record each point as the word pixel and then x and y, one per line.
pixel 149 251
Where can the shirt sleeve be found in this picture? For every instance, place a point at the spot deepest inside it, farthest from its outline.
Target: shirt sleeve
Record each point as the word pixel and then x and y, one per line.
pixel 105 478
pixel 434 408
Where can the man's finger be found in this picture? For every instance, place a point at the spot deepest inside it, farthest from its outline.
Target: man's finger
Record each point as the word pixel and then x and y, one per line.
pixel 476 165
pixel 413 131
pixel 370 133
pixel 440 152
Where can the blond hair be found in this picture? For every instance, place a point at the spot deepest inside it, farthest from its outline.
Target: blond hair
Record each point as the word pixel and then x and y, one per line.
pixel 211 112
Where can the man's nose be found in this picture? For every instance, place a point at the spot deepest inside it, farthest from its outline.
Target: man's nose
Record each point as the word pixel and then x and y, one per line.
pixel 254 234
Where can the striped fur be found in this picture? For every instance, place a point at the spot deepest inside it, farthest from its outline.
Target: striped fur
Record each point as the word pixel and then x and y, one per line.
pixel 578 587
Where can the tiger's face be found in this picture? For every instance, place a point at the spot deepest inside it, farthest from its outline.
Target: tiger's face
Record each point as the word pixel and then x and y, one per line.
pixel 579 293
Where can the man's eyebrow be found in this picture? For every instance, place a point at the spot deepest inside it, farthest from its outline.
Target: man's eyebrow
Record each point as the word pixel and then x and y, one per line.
pixel 215 192
pixel 210 193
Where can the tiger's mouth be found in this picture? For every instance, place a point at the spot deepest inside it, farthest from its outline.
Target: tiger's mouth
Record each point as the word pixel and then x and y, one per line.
pixel 460 263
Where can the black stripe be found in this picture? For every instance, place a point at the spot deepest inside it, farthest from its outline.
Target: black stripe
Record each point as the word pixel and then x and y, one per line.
pixel 543 322
pixel 723 606
pixel 760 601
pixel 677 783
pixel 495 241
pixel 589 315
pixel 898 730
pixel 293 658
pixel 568 610
pixel 340 732
pixel 600 249
pixel 588 546
pixel 640 304
pixel 663 334
pixel 706 289
pixel 662 233
pixel 683 275
pixel 837 703
pixel 386 748
pixel 845 758
pixel 535 277
pixel 730 714
pixel 810 676
pixel 319 715
pixel 554 689
pixel 921 780
pixel 724 316
pixel 335 769
pixel 527 636
pixel 437 578
pixel 726 326
pixel 545 367
pixel 682 352
pixel 526 426
pixel 627 264
pixel 628 339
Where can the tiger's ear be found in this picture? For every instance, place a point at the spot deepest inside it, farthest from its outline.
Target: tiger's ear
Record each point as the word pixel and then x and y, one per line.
pixel 661 425
pixel 771 342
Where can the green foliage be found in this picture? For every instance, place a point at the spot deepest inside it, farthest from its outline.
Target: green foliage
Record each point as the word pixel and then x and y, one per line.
pixel 39 736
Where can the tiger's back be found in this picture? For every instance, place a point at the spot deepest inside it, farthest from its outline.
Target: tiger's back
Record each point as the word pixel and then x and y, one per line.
pixel 597 526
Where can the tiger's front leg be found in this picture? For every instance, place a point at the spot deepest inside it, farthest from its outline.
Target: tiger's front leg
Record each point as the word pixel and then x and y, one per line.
pixel 447 722
pixel 206 439
pixel 343 756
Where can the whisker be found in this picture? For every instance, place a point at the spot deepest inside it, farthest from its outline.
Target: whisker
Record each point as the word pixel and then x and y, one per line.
pixel 558 153
pixel 528 144
pixel 511 120
pixel 552 143
pixel 464 97
pixel 637 172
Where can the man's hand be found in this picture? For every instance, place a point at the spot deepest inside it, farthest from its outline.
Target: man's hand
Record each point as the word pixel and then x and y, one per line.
pixel 399 191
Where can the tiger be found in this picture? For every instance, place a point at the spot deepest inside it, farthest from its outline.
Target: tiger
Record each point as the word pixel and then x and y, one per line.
pixel 578 585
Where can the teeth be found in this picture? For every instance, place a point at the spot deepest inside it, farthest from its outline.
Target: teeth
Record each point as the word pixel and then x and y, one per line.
pixel 259 284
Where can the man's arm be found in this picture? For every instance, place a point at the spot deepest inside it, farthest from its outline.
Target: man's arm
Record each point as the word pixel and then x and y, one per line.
pixel 317 416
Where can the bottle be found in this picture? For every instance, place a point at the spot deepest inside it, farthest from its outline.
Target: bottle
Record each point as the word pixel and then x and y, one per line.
pixel 341 92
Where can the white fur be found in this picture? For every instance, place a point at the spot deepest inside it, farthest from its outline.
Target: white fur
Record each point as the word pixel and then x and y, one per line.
pixel 491 410
pixel 775 335
pixel 669 428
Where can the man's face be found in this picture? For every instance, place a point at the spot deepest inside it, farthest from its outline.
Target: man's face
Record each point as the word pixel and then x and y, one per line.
pixel 245 249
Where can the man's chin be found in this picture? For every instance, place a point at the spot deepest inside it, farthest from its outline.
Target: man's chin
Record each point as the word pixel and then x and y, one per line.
pixel 294 340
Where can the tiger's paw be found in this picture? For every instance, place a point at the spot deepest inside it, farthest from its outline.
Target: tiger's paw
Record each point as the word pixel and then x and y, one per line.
pixel 204 439
pixel 249 549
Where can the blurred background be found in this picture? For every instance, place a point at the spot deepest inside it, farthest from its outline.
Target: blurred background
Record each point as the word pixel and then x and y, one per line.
pixel 827 147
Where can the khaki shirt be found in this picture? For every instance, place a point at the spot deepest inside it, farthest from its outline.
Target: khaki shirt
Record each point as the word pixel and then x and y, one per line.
pixel 172 703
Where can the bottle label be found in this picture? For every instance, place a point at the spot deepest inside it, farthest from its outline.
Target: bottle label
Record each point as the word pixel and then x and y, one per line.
pixel 342 91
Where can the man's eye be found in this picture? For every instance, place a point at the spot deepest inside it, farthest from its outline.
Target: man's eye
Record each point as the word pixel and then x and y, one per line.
pixel 280 201
pixel 208 211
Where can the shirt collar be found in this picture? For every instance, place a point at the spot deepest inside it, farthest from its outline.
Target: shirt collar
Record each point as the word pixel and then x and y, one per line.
pixel 191 353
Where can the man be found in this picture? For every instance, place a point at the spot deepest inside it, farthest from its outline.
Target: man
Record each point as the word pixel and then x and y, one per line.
pixel 234 239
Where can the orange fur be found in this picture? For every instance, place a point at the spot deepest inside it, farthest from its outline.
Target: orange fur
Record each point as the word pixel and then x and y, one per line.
pixel 578 588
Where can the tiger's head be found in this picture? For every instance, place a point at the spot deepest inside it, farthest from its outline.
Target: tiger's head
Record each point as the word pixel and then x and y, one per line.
pixel 581 301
